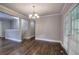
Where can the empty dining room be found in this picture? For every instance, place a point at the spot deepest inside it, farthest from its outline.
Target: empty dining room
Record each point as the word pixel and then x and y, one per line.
pixel 39 29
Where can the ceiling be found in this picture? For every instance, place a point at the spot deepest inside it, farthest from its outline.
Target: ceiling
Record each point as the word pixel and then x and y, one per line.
pixel 41 8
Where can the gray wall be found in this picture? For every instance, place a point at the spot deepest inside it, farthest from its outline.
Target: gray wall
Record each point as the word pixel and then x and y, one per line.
pixel 48 28
pixel 0 29
pixel 5 25
pixel 24 28
pixel 8 22
pixel 32 28
pixel 15 24
pixel 28 28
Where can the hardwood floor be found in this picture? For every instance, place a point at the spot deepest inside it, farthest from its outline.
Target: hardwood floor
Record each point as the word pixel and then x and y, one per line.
pixel 30 47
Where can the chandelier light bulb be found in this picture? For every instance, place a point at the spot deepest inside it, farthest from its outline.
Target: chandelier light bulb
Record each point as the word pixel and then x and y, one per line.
pixel 36 15
pixel 30 15
pixel 33 15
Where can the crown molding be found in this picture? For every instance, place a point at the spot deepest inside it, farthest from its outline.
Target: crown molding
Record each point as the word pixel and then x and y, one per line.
pixel 51 15
pixel 71 7
pixel 11 12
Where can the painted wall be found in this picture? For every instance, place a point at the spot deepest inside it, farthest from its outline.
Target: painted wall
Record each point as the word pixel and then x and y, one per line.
pixel 30 29
pixel 48 28
pixel 11 12
pixel 15 24
pixel 13 34
pixel 14 13
pixel 0 29
pixel 25 28
pixel 5 24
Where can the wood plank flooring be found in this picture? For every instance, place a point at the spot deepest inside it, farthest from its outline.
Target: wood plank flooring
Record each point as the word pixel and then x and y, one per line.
pixel 30 47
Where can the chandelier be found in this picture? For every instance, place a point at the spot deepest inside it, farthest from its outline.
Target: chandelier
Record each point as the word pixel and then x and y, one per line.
pixel 34 15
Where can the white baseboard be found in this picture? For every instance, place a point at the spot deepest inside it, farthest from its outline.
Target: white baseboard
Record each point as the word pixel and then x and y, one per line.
pixel 1 36
pixel 13 39
pixel 61 44
pixel 49 40
pixel 29 37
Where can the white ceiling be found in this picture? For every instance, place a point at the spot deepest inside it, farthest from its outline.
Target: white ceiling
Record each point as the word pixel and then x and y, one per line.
pixel 41 8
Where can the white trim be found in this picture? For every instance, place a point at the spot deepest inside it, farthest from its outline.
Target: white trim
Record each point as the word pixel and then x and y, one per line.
pixel 71 7
pixel 13 39
pixel 10 11
pixel 2 36
pixel 49 40
pixel 28 37
pixel 51 15
pixel 62 44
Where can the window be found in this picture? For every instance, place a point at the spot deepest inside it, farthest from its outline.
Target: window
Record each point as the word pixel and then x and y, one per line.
pixel 75 29
pixel 71 31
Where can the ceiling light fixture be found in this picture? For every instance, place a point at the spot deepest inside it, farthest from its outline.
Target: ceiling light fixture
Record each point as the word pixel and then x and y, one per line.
pixel 34 15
